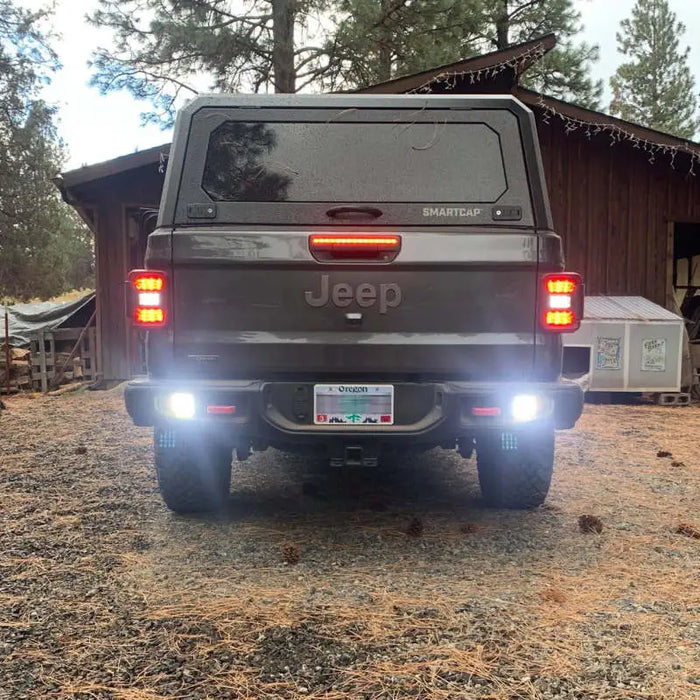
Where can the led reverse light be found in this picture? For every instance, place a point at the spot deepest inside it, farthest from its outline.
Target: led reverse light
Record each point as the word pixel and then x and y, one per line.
pixel 524 408
pixel 181 405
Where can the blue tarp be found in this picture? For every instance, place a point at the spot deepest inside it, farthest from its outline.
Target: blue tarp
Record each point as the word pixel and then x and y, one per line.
pixel 27 319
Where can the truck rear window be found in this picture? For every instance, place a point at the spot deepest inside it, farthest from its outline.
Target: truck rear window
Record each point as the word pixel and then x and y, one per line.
pixel 354 162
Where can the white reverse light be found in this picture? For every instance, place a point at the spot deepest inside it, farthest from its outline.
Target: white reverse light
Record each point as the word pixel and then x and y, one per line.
pixel 181 405
pixel 559 301
pixel 524 408
pixel 149 298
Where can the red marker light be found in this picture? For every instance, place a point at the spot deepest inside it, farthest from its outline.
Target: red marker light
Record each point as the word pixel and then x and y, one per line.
pixel 221 410
pixel 491 411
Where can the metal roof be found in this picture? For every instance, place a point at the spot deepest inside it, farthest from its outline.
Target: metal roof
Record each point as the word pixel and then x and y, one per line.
pixel 88 173
pixel 625 309
pixel 518 54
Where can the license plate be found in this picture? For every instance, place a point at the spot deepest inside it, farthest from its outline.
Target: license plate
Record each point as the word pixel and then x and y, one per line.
pixel 353 404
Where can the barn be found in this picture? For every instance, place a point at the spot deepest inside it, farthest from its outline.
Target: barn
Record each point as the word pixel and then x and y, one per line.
pixel 625 198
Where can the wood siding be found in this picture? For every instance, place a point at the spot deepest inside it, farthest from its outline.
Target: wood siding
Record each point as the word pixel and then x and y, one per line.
pixel 612 207
pixel 111 199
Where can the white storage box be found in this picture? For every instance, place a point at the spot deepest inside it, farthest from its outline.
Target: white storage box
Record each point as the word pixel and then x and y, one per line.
pixel 632 345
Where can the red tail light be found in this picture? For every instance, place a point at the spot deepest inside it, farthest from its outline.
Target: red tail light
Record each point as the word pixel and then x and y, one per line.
pixel 148 298
pixel 562 302
pixel 149 317
pixel 148 281
pixel 561 285
pixel 559 319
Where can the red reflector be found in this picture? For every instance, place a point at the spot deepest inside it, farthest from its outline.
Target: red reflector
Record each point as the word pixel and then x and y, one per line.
pixel 486 411
pixel 559 319
pixel 373 242
pixel 561 285
pixel 221 410
pixel 149 316
pixel 152 282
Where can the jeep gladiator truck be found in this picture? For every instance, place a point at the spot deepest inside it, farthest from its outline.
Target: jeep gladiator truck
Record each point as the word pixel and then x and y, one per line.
pixel 354 277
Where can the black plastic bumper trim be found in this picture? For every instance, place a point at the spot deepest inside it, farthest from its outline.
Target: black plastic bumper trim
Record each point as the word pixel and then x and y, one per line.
pixel 141 397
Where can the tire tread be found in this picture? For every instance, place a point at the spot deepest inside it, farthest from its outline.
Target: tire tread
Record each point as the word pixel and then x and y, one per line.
pixel 193 478
pixel 518 478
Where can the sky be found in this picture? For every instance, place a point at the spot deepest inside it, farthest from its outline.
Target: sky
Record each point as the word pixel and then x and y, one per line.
pixel 99 127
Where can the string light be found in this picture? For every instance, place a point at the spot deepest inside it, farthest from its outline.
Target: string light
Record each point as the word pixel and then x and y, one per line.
pixel 616 133
pixel 619 134
pixel 518 63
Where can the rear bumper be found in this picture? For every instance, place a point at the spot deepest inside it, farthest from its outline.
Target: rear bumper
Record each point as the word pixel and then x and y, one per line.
pixel 279 413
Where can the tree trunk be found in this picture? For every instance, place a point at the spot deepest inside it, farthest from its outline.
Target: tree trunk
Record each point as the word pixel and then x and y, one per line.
pixel 283 13
pixel 502 26
pixel 384 67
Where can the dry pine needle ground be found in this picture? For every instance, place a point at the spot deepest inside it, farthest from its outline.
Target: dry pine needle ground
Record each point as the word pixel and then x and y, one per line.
pixel 105 594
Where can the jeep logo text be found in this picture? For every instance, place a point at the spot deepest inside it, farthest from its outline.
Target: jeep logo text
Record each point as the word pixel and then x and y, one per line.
pixel 388 296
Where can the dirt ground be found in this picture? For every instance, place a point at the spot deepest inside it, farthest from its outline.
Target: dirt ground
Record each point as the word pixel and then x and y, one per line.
pixel 105 594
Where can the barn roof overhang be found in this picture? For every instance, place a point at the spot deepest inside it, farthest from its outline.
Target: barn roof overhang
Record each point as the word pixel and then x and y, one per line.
pixel 115 166
pixel 511 62
pixel 76 185
pixel 588 118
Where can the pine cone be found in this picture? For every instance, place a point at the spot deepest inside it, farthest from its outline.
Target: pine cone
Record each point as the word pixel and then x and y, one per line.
pixel 663 453
pixel 415 528
pixel 553 595
pixel 589 523
pixel 688 530
pixel 291 554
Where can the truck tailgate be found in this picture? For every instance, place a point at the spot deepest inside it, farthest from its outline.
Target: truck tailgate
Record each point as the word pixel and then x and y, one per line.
pixel 451 304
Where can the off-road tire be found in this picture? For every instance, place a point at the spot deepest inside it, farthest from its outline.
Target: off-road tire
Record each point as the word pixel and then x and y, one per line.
pixel 193 476
pixel 515 468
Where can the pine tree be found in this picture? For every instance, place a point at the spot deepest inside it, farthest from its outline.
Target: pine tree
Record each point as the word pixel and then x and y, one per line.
pixel 167 50
pixel 382 39
pixel 377 40
pixel 44 248
pixel 564 71
pixel 655 87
